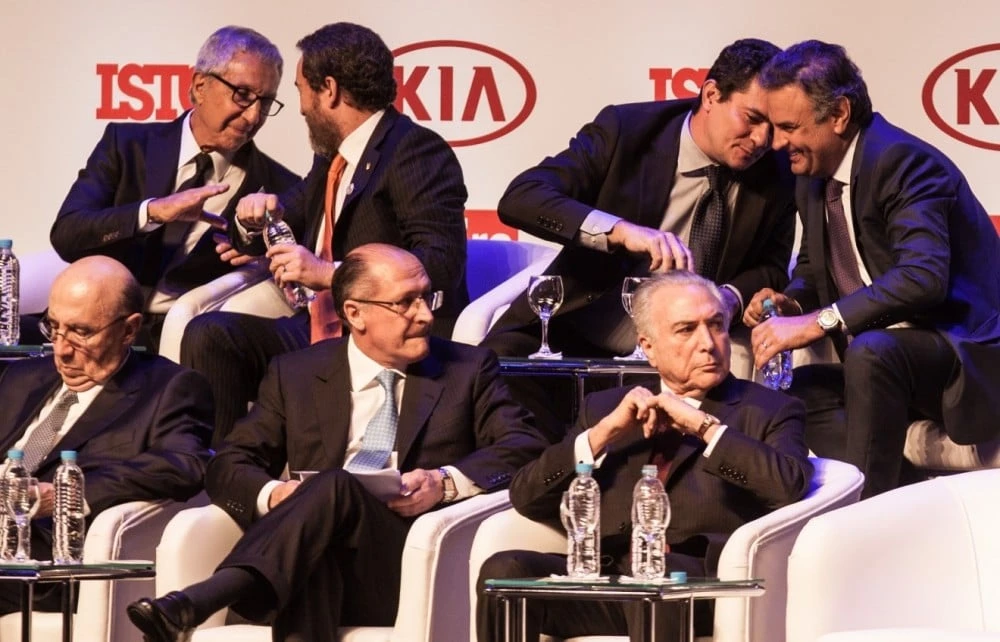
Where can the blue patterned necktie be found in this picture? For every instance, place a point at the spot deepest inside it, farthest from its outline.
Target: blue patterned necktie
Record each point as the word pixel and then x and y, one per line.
pixel 380 435
pixel 708 228
pixel 43 437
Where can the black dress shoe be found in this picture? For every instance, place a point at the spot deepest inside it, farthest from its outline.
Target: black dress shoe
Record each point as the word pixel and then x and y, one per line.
pixel 166 619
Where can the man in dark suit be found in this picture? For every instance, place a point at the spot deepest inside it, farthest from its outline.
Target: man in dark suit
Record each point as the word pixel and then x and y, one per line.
pixel 899 261
pixel 152 193
pixel 633 195
pixel 728 450
pixel 139 423
pixel 393 181
pixel 326 553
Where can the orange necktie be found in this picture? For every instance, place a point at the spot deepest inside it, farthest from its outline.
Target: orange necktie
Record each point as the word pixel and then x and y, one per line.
pixel 323 320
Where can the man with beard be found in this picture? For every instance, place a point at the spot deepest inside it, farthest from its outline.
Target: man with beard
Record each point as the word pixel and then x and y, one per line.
pixel 153 194
pixel 376 177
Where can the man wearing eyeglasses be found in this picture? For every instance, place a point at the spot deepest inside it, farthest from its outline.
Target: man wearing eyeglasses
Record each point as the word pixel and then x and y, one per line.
pixel 139 423
pixel 153 195
pixel 377 177
pixel 325 552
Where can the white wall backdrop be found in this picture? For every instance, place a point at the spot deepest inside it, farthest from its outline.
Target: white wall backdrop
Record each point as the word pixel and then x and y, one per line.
pixel 68 61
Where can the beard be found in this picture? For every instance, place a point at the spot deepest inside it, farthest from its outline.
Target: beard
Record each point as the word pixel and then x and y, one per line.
pixel 324 137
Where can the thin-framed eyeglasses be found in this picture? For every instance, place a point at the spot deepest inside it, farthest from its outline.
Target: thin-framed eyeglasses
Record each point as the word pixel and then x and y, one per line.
pixel 76 337
pixel 245 98
pixel 407 306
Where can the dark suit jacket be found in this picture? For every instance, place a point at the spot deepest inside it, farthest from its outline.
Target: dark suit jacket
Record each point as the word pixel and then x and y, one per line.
pixel 934 258
pixel 134 162
pixel 408 191
pixel 455 411
pixel 145 436
pixel 624 163
pixel 759 464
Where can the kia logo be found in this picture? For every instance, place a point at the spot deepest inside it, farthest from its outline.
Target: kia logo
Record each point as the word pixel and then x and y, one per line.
pixel 471 92
pixel 959 102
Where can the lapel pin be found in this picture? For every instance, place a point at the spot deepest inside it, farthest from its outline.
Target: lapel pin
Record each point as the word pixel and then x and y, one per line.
pixel 368 166
pixel 350 189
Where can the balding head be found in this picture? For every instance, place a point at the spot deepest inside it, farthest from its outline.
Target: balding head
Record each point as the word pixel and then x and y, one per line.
pixel 95 312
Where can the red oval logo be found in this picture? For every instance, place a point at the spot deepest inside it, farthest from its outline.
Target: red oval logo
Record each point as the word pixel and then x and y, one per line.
pixel 469 96
pixel 970 97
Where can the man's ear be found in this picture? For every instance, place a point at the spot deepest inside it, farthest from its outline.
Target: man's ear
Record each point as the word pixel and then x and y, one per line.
pixel 647 347
pixel 710 94
pixel 841 115
pixel 353 317
pixel 132 324
pixel 198 82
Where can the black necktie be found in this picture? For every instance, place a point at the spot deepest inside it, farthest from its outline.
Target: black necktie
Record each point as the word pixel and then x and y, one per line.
pixel 708 228
pixel 156 256
pixel 843 260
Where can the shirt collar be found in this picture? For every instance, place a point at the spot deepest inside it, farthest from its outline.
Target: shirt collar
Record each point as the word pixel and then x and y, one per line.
pixel 843 173
pixel 690 158
pixel 363 368
pixel 691 401
pixel 355 143
pixel 190 149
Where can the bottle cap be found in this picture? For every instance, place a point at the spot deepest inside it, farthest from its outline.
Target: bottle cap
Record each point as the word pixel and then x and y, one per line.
pixel 67 455
pixel 6 244
pixel 15 453
pixel 649 470
pixel 678 576
pixel 584 469
pixel 768 305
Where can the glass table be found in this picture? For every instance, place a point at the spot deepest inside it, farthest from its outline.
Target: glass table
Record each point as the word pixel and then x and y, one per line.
pixel 13 353
pixel 31 573
pixel 512 596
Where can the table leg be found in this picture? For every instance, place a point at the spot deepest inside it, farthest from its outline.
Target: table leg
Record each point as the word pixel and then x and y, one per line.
pixel 648 621
pixel 67 610
pixel 690 619
pixel 27 599
pixel 581 394
pixel 521 612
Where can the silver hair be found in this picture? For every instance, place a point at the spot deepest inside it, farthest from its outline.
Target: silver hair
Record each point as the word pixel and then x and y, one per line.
pixel 220 48
pixel 643 296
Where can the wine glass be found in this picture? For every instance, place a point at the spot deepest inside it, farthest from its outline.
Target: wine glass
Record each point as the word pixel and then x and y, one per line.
pixel 22 502
pixel 545 295
pixel 629 286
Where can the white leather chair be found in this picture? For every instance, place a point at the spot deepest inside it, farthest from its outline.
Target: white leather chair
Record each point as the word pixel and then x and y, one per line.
pixel 496 273
pixel 433 598
pixel 918 563
pixel 38 271
pixel 756 550
pixel 247 289
pixel 128 531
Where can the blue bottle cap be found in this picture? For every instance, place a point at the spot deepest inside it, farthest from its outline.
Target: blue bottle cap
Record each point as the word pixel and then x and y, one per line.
pixel 584 469
pixel 6 244
pixel 768 305
pixel 678 576
pixel 67 455
pixel 15 453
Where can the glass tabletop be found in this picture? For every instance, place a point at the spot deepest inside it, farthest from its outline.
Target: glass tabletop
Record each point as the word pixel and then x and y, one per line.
pixel 105 570
pixel 524 365
pixel 25 351
pixel 617 586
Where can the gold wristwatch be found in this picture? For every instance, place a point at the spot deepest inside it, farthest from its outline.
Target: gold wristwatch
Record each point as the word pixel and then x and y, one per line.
pixel 450 490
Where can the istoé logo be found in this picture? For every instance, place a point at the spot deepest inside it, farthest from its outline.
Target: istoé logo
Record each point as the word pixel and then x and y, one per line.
pixel 141 92
pixel 959 96
pixel 466 91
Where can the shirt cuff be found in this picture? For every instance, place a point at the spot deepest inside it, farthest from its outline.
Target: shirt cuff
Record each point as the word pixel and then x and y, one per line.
pixel 582 453
pixel 843 326
pixel 714 440
pixel 465 486
pixel 264 497
pixel 739 299
pixel 146 225
pixel 246 235
pixel 595 228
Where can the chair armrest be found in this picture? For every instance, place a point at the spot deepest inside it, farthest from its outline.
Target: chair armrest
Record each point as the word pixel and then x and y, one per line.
pixel 476 318
pixel 910 635
pixel 433 595
pixel 193 544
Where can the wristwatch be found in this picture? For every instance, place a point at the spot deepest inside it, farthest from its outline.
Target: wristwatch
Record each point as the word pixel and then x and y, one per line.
pixel 710 420
pixel 450 490
pixel 828 320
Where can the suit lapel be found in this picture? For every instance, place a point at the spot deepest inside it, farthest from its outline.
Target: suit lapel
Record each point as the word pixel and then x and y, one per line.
pixel 38 391
pixel 742 225
pixel 657 173
pixel 721 402
pixel 816 220
pixel 366 167
pixel 331 405
pixel 421 394
pixel 162 158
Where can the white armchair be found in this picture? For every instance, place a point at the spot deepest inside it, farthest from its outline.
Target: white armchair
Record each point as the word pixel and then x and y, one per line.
pixel 433 599
pixel 496 273
pixel 124 532
pixel 918 563
pixel 247 289
pixel 38 271
pixel 758 549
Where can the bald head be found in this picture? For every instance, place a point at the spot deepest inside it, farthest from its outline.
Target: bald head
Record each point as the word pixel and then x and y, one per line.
pixel 100 278
pixel 359 274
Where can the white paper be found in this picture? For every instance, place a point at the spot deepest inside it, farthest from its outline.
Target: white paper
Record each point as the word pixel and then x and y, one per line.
pixel 385 484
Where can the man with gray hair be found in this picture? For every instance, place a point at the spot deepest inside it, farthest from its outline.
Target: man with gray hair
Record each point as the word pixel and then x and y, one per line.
pixel 727 450
pixel 152 194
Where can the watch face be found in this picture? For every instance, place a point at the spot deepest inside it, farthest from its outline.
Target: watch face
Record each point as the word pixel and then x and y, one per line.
pixel 828 319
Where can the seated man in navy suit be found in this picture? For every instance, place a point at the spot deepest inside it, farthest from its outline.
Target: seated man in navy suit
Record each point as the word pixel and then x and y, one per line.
pixel 139 423
pixel 325 552
pixel 728 451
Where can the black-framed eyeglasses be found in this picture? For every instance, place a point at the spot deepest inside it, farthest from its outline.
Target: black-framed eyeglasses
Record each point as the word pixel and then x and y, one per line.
pixel 407 306
pixel 76 337
pixel 245 98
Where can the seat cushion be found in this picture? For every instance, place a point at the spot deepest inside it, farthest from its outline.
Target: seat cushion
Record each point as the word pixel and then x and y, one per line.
pixel 929 447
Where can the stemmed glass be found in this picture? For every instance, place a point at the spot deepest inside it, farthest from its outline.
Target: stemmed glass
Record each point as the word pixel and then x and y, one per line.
pixel 629 286
pixel 22 502
pixel 545 295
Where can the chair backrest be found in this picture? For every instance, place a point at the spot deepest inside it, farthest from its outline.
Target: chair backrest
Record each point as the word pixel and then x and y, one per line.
pixel 490 262
pixel 38 271
pixel 925 555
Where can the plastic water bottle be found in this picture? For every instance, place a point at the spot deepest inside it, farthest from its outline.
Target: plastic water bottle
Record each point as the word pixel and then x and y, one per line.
pixel 277 232
pixel 650 517
pixel 12 467
pixel 10 278
pixel 582 518
pixel 68 522
pixel 778 370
